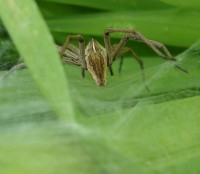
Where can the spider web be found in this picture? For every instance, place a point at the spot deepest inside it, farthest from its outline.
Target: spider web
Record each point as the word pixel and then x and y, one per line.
pixel 112 134
pixel 164 81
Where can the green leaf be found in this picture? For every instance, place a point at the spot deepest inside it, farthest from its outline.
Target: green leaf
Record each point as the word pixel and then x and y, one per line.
pixel 195 4
pixel 35 44
pixel 172 27
pixel 115 5
pixel 120 128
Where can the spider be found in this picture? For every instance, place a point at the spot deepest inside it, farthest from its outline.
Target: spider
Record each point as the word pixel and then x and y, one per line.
pixel 96 59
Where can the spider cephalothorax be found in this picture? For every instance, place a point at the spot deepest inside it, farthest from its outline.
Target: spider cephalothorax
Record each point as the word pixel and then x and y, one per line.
pixel 96 62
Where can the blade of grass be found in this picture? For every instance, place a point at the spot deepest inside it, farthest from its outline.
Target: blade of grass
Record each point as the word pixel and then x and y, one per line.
pixel 35 44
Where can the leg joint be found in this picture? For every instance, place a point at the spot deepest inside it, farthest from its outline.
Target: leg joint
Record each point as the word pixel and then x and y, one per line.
pixel 106 32
pixel 76 37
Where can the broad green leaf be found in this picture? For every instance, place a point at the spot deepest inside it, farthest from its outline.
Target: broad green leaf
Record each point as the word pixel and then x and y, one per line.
pixel 53 9
pixel 115 5
pixel 195 4
pixel 162 137
pixel 172 27
pixel 35 44
pixel 156 134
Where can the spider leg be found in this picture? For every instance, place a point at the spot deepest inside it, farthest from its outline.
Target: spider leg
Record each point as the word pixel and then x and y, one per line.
pixel 111 56
pixel 155 46
pixel 138 59
pixel 136 36
pixel 14 68
pixel 165 50
pixel 81 41
pixel 118 49
pixel 108 48
pixel 120 65
pixel 140 62
pixel 114 51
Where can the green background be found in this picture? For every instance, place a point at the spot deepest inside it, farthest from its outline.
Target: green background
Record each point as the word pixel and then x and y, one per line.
pixel 53 121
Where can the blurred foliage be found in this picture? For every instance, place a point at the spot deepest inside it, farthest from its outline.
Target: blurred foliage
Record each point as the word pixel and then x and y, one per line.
pixel 8 53
pixel 37 48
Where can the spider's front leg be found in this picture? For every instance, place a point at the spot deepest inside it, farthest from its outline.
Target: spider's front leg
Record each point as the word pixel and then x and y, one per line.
pixel 114 51
pixel 133 34
pixel 165 50
pixel 14 68
pixel 81 41
pixel 157 47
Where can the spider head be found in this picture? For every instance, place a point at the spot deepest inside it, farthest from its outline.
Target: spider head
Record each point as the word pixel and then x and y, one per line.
pixel 96 62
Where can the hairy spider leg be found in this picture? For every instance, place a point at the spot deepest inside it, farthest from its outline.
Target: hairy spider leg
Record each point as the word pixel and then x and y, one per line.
pixel 120 49
pixel 81 49
pixel 14 68
pixel 154 45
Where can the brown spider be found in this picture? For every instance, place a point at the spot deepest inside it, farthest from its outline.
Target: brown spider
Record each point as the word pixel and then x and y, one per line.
pixel 95 58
